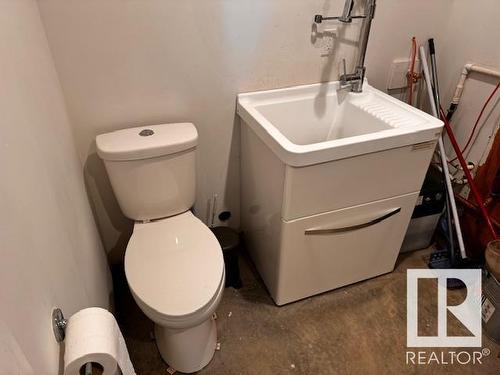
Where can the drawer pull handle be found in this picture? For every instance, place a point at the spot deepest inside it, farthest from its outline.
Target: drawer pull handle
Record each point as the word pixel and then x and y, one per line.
pixel 353 227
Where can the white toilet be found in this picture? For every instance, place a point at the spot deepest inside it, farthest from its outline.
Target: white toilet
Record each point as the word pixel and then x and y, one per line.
pixel 173 262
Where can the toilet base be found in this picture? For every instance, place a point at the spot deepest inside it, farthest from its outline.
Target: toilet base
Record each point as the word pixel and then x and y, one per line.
pixel 187 350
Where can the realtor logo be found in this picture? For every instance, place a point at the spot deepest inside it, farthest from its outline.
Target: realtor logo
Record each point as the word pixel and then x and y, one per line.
pixel 468 313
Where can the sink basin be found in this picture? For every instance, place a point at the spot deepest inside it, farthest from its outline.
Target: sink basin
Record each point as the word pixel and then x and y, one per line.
pixel 312 124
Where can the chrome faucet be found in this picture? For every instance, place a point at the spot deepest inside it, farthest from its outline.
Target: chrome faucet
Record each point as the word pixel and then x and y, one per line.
pixel 354 80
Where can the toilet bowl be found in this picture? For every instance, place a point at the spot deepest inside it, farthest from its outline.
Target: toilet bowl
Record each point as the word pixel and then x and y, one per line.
pixel 175 271
pixel 173 262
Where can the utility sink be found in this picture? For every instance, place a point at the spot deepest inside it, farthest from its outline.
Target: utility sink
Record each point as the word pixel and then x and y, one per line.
pixel 316 123
pixel 329 180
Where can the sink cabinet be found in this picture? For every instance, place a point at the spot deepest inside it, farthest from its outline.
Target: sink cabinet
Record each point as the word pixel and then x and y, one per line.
pixel 280 203
pixel 313 225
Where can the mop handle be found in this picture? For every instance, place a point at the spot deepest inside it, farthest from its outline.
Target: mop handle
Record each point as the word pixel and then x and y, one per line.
pixel 444 162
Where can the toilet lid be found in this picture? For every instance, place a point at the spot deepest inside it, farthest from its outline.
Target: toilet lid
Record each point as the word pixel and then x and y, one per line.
pixel 174 265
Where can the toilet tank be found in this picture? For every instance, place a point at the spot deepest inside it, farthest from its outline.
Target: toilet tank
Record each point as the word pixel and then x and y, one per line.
pixel 151 168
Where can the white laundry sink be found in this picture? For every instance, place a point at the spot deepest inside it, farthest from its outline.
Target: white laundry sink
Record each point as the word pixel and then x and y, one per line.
pixel 311 124
pixel 329 180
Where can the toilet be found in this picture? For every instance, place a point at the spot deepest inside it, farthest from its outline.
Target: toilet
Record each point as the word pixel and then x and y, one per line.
pixel 173 262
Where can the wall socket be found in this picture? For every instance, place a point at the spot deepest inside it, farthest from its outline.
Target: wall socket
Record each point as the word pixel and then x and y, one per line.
pixel 327 45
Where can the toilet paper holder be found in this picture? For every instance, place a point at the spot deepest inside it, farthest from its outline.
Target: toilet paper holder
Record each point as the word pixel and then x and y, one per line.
pixel 59 324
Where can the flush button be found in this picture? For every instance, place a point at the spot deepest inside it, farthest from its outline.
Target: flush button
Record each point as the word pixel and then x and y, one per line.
pixel 146 132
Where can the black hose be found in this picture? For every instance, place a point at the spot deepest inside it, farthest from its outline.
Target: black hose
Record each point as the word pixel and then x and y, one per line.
pixel 451 111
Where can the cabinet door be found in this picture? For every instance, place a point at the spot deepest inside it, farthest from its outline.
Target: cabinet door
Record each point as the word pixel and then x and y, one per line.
pixel 333 249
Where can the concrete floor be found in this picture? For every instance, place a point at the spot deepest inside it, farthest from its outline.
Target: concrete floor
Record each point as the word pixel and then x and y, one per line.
pixel 358 329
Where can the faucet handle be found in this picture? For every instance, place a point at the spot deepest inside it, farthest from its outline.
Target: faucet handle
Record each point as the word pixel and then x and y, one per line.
pixel 344 82
pixel 343 77
pixel 318 18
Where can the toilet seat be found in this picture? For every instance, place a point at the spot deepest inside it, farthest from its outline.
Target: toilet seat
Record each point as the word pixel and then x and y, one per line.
pixel 175 269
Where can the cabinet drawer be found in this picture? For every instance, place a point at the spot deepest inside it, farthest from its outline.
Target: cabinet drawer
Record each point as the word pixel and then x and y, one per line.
pixel 326 251
pixel 348 182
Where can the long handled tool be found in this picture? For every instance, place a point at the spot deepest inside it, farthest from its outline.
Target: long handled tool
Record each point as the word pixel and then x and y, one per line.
pixel 437 101
pixel 444 162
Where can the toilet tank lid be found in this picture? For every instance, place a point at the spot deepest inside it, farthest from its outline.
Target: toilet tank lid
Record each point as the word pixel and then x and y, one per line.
pixel 145 142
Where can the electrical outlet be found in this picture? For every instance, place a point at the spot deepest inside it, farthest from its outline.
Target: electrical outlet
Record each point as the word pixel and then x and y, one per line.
pixel 327 45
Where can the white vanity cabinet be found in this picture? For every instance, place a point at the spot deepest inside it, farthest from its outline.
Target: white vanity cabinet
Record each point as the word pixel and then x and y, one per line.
pixel 339 216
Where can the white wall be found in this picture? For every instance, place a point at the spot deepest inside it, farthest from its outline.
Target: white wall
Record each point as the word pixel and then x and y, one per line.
pixel 50 252
pixel 471 36
pixel 128 62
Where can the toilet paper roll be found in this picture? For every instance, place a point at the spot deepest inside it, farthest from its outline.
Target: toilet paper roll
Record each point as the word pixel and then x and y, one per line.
pixel 92 335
